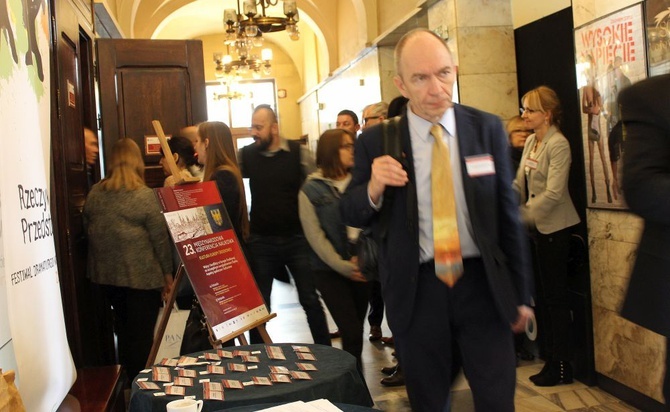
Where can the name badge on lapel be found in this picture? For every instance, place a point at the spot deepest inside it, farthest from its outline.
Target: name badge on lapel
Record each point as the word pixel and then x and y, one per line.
pixel 480 165
pixel 531 163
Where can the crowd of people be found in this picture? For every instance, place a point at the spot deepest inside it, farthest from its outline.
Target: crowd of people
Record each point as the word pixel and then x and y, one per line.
pixel 508 211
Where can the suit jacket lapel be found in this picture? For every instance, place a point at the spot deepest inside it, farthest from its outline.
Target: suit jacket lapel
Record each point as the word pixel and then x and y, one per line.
pixel 467 146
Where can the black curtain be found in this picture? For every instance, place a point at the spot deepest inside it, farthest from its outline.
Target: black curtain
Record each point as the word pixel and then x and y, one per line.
pixel 545 55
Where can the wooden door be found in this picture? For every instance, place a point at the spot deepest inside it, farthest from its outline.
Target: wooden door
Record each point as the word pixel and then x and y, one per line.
pixel 87 319
pixel 143 80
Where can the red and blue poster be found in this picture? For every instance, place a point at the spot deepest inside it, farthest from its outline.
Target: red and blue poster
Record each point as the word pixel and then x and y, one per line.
pixel 211 254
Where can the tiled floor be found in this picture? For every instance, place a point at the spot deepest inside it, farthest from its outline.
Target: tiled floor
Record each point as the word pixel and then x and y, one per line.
pixel 291 326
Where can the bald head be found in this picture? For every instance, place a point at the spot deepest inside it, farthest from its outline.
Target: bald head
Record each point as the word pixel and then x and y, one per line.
pixel 268 111
pixel 426 73
pixel 400 46
pixel 191 133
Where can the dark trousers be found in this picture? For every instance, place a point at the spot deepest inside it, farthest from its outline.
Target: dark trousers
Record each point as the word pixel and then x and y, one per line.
pixel 135 312
pixel 347 302
pixel 464 315
pixel 553 301
pixel 376 304
pixel 271 255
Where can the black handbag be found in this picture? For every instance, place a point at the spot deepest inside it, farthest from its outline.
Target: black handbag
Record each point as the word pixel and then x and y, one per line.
pixel 366 251
pixel 196 332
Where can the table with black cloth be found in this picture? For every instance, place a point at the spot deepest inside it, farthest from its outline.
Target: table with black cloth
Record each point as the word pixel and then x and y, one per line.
pixel 337 379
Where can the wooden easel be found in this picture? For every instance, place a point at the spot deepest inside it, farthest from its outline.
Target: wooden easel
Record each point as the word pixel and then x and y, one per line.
pixel 216 343
pixel 169 157
pixel 179 277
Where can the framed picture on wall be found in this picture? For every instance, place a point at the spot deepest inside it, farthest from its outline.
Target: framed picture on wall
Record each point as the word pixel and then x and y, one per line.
pixel 609 55
pixel 657 20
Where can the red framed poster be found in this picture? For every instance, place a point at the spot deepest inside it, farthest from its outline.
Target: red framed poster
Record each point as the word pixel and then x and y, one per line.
pixel 211 254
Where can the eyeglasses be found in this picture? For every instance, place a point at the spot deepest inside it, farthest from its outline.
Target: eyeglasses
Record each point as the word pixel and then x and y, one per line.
pixel 521 131
pixel 347 146
pixel 527 110
pixel 367 119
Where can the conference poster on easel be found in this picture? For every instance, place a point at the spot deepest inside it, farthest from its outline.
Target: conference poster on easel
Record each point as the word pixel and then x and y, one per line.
pixel 212 256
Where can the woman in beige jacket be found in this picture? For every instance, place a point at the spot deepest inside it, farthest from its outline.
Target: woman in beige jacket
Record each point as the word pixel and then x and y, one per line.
pixel 546 207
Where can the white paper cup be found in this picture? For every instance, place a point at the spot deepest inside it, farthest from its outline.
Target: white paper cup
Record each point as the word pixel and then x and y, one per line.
pixel 185 405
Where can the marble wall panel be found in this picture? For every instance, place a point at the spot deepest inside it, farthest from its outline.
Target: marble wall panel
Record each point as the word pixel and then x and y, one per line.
pixel 486 50
pixel 494 93
pixel 628 353
pixel 616 225
pixel 386 73
pixel 479 13
pixel 442 15
pixel 598 265
pixel 611 263
pixel 625 352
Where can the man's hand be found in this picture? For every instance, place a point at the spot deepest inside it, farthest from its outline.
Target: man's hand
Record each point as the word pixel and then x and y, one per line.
pixel 525 313
pixel 386 171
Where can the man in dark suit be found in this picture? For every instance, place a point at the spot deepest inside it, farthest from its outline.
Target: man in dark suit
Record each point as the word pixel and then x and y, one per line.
pixel 645 110
pixel 489 301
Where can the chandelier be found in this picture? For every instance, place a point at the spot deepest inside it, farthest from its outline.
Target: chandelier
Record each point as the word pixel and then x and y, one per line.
pixel 251 28
pixel 230 87
pixel 246 63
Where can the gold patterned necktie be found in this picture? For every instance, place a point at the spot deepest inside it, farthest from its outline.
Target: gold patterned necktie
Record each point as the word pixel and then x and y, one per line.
pixel 448 259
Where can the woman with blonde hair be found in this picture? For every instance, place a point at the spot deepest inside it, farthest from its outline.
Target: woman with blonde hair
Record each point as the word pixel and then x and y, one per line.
pixel 547 209
pixel 129 251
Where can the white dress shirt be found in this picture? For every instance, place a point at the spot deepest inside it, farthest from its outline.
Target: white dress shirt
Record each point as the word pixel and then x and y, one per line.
pixel 422 149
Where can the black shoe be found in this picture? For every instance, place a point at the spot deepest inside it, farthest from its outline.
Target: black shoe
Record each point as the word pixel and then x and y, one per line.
pixel 397 379
pixel 389 370
pixel 559 372
pixel 544 371
pixel 375 333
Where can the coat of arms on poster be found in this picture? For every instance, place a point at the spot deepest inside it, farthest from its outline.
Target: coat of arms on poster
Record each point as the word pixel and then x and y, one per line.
pixel 658 36
pixel 610 55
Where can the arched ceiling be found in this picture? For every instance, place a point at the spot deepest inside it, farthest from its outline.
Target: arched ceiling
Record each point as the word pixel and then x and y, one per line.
pixel 188 19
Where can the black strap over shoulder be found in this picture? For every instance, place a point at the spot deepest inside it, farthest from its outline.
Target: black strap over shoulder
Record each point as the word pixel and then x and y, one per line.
pixel 391 142
pixel 392 146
